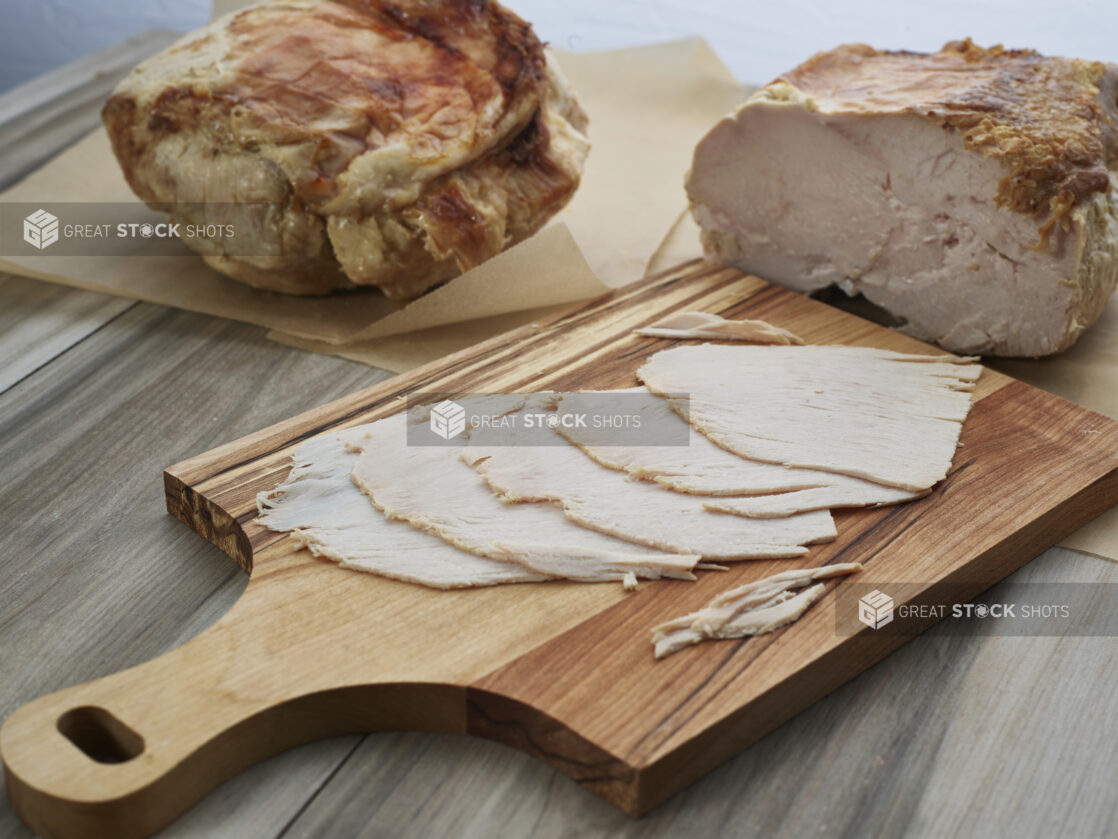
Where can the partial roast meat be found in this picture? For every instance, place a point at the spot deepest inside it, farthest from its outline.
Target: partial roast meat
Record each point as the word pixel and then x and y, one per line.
pixel 968 192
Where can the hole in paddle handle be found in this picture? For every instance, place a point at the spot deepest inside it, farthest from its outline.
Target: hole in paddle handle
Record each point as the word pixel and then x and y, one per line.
pixel 100 735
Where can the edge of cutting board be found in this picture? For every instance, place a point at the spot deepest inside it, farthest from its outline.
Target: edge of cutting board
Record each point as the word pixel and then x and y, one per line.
pixel 565 673
pixel 499 706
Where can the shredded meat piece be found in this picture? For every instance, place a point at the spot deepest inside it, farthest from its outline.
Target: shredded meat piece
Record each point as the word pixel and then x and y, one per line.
pixel 707 325
pixel 752 609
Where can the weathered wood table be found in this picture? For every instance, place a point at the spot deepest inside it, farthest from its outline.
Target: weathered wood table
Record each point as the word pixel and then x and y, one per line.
pixel 952 735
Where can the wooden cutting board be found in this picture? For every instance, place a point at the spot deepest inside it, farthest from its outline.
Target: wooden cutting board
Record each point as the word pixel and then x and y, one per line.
pixel 562 670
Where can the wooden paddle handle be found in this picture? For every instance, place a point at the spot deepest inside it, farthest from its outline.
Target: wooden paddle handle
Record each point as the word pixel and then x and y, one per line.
pixel 123 755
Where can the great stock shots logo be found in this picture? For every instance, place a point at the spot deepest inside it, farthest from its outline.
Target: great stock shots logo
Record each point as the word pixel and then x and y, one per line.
pixel 1008 609
pixel 134 229
pixel 448 419
pixel 40 229
pixel 875 610
pixel 595 418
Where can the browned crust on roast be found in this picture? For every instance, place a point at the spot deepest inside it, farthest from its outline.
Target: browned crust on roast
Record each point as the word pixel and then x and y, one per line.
pixel 520 168
pixel 1039 116
pixel 300 71
pixel 441 75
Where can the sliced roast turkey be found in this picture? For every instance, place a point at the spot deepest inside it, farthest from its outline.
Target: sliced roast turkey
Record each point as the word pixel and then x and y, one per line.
pixel 325 512
pixel 433 490
pixel 883 416
pixel 700 468
pixel 640 512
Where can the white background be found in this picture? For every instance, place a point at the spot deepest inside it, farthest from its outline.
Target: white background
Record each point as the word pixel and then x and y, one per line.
pixel 757 39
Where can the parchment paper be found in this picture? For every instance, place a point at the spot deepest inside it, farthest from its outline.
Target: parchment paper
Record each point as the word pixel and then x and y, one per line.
pixel 433 326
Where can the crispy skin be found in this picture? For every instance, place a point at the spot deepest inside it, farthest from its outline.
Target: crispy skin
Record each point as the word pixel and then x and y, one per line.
pixel 1038 115
pixel 401 141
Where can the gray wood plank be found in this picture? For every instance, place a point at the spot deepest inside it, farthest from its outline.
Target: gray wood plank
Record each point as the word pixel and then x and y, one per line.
pixel 951 736
pixel 260 802
pixel 94 575
pixel 40 320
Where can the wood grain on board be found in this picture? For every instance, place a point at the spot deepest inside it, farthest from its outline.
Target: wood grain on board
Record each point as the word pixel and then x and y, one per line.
pixel 561 670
